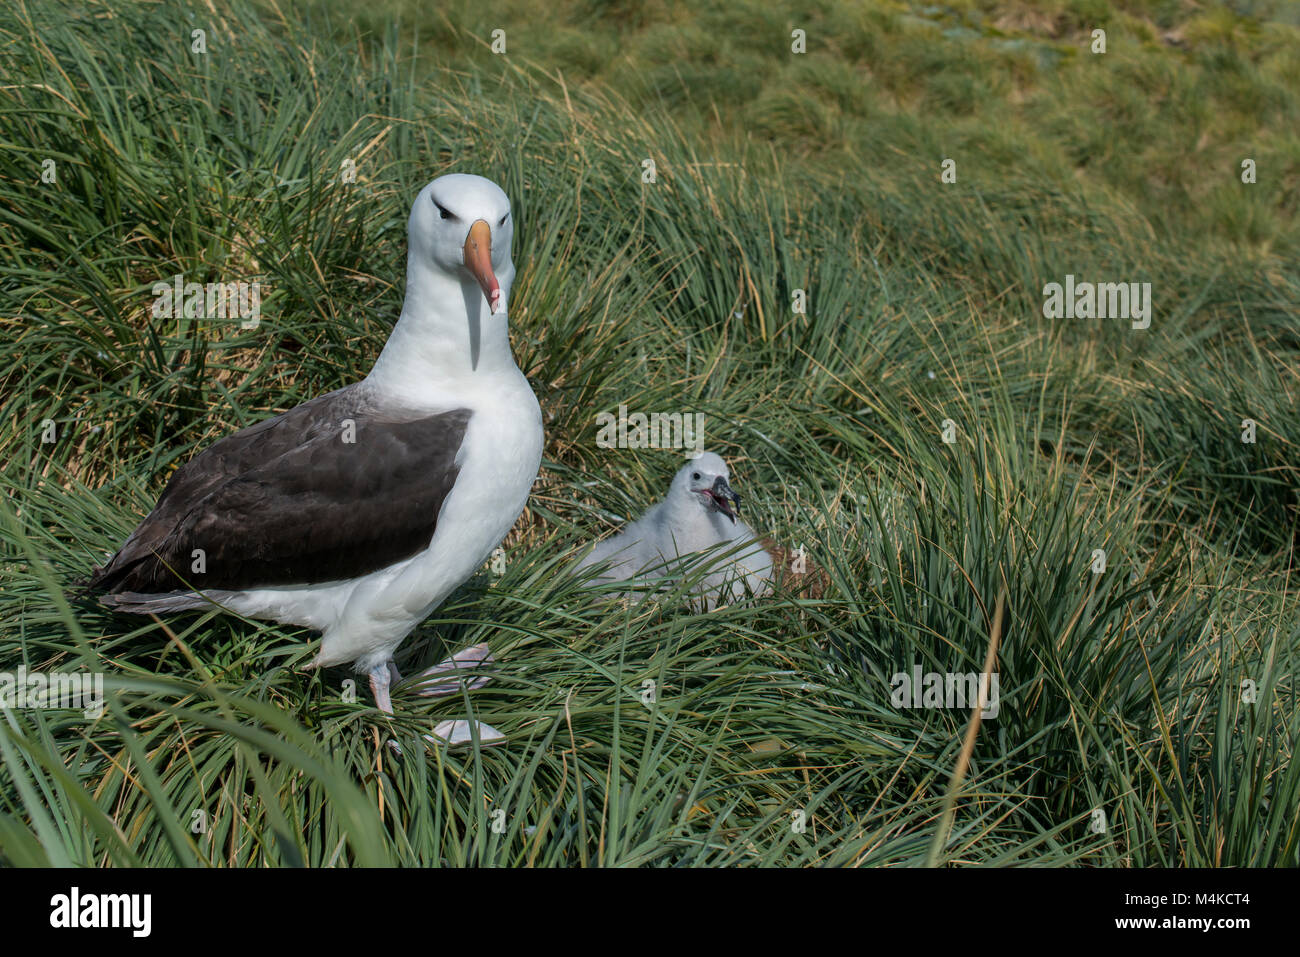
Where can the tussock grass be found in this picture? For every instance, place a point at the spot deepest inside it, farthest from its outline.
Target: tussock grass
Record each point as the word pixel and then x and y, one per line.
pixel 1120 690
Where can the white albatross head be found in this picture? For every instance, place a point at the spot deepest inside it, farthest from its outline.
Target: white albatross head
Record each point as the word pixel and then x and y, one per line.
pixel 462 223
pixel 705 483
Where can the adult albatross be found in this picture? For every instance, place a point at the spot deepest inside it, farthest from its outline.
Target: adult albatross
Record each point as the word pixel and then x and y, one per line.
pixel 357 513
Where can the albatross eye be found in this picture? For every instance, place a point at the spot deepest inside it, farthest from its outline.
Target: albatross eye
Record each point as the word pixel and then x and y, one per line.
pixel 695 476
pixel 442 210
pixel 503 219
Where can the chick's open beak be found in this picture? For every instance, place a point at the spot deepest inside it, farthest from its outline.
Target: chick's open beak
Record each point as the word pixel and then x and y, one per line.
pixel 478 260
pixel 724 498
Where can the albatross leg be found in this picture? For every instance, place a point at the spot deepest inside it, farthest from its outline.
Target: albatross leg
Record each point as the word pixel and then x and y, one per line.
pixel 380 681
pixel 446 677
pixel 382 677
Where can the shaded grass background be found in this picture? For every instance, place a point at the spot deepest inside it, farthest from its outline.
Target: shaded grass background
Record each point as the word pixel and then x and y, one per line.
pixel 1120 690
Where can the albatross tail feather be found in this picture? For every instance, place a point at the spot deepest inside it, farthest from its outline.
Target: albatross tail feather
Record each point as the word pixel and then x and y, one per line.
pixel 136 603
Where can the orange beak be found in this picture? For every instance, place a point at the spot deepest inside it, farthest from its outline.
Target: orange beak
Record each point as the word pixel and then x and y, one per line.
pixel 478 260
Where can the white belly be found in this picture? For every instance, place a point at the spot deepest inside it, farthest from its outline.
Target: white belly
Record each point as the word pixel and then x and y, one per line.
pixel 364 620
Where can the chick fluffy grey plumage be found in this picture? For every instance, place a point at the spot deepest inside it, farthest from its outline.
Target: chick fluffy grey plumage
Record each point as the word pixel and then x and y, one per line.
pixel 697 515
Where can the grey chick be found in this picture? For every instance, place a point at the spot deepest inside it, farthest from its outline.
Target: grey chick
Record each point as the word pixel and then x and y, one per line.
pixel 698 513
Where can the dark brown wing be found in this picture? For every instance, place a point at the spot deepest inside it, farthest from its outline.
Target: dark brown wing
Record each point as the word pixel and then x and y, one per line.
pixel 290 501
